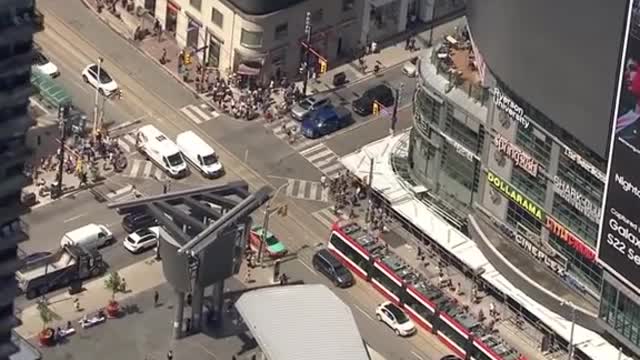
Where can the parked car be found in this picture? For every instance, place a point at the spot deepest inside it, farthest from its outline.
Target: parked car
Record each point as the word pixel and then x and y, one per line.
pixel 141 240
pixel 272 246
pixel 381 93
pixel 90 236
pixel 137 220
pixel 325 120
pixel 307 105
pixel 105 85
pixel 410 68
pixel 328 265
pixel 395 318
pixel 44 65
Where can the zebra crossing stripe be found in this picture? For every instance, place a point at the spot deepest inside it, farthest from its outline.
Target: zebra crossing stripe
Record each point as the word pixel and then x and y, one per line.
pixel 321 154
pixel 124 145
pixel 148 166
pixel 312 149
pixel 332 169
pixel 187 111
pixel 135 167
pixel 207 108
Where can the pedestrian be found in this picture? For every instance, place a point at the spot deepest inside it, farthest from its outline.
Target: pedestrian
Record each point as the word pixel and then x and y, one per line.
pixel 123 286
pixel 407 44
pixel 76 304
pixel 156 297
pixel 163 57
pixel 323 181
pixel 170 355
pixel 492 309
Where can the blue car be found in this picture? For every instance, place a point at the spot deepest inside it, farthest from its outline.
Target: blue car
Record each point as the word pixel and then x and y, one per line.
pixel 325 120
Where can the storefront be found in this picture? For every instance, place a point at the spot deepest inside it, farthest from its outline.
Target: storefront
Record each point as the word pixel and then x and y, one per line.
pixel 193 31
pixel 171 22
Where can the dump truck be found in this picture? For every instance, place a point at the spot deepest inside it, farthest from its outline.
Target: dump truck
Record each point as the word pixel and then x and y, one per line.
pixel 65 266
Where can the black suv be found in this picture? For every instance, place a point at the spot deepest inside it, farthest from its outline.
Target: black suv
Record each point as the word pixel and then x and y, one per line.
pixel 325 263
pixel 137 220
pixel 381 93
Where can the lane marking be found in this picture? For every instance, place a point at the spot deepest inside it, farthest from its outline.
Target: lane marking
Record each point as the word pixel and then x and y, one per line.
pixel 308 267
pixel 73 218
pixel 363 312
pixel 416 355
pixel 311 149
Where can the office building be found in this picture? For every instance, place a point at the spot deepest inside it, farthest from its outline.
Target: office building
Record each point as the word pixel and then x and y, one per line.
pixel 18 21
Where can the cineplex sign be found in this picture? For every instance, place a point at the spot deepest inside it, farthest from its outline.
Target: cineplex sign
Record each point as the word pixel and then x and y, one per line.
pixel 553 225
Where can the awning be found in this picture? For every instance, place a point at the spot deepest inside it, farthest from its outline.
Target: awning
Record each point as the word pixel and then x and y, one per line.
pixel 249 68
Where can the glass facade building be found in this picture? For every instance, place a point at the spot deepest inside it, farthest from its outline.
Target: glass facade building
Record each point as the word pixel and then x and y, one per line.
pixel 483 146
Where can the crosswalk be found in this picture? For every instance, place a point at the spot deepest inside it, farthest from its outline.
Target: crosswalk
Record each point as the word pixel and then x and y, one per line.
pixel 127 142
pixel 307 190
pixel 326 216
pixel 300 142
pixel 144 169
pixel 324 159
pixel 199 113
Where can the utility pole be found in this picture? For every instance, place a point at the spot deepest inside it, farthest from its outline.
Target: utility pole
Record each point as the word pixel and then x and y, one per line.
pixel 63 111
pixel 265 222
pixel 394 117
pixel 433 16
pixel 367 216
pixel 573 325
pixel 96 111
pixel 305 66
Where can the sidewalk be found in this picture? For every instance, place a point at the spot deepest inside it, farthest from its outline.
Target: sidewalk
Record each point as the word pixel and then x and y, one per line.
pixel 387 58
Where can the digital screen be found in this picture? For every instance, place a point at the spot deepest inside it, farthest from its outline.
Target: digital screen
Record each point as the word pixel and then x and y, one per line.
pixel 619 240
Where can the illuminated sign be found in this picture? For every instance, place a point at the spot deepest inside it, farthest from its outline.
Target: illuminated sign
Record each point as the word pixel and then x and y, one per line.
pixel 619 236
pixel 572 240
pixel 519 156
pixel 577 199
pixel 590 168
pixel 504 103
pixel 515 196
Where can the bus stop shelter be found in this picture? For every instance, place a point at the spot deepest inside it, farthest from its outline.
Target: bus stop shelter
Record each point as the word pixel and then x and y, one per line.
pixel 49 90
pixel 301 322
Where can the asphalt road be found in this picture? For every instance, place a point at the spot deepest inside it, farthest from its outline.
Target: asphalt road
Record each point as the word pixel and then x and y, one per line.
pixel 75 38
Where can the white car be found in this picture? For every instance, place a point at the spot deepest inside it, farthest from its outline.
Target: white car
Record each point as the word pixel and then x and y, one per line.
pixel 44 65
pixel 142 239
pixel 105 85
pixel 395 318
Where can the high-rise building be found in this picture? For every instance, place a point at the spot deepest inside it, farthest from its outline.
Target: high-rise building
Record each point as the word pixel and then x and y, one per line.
pixel 519 135
pixel 18 22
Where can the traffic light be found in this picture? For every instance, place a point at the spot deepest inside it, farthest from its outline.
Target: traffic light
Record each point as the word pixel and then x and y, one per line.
pixel 323 66
pixel 187 58
pixel 376 108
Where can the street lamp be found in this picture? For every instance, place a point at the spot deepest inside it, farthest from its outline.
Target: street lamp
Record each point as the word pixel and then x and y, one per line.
pixel 265 222
pixel 96 112
pixel 573 325
pixel 305 70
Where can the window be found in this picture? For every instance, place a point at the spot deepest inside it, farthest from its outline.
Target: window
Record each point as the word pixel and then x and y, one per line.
pixel 349 252
pixel 197 4
pixel 216 17
pixel 251 38
pixel 348 5
pixel 282 31
pixel 316 16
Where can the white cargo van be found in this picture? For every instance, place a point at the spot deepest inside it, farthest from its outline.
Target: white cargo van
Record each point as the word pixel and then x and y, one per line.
pixel 199 154
pixel 158 148
pixel 90 236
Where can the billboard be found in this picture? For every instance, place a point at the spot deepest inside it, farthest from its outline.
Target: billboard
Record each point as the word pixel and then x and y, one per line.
pixel 619 237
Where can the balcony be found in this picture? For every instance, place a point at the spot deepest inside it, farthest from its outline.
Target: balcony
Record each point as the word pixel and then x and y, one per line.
pixel 8 291
pixel 7 323
pixel 30 18
pixel 7 349
pixel 13 184
pixel 20 57
pixel 16 94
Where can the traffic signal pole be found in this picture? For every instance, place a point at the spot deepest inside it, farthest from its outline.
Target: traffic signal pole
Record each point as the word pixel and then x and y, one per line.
pixel 394 117
pixel 307 30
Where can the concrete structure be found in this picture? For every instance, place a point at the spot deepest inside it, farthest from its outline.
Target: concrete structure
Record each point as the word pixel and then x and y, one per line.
pixel 19 21
pixel 301 321
pixel 260 39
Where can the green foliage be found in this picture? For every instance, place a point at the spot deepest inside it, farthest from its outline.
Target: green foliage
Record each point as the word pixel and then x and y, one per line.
pixel 46 314
pixel 115 283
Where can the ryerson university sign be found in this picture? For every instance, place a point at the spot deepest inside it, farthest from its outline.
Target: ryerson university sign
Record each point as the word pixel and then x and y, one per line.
pixel 513 110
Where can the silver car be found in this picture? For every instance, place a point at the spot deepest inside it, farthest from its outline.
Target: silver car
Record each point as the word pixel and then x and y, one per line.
pixel 307 105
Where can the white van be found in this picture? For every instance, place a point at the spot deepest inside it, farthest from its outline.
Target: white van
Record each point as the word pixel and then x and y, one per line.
pixel 158 148
pixel 199 154
pixel 90 236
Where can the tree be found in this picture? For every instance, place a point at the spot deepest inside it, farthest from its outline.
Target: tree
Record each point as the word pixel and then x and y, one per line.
pixel 46 314
pixel 114 283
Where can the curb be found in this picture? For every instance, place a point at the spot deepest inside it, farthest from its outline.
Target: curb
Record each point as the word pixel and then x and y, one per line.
pixel 202 97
